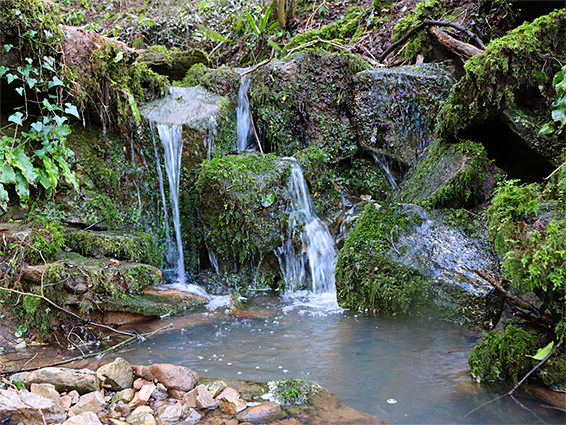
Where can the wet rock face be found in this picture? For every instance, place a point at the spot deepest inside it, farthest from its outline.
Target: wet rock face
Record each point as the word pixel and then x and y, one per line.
pixel 395 109
pixel 404 262
pixel 82 380
pixel 303 101
pixel 242 200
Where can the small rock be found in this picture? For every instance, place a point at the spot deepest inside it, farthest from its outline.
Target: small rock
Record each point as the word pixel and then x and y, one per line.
pixel 160 392
pixel 216 388
pixel 139 383
pixel 232 405
pixel 199 398
pixel 177 394
pixel 117 422
pixel 91 402
pixel 193 418
pixel 170 412
pixel 65 402
pixel 118 374
pixel 142 396
pixel 20 344
pixel 143 415
pixel 264 413
pixel 85 418
pixel 126 395
pixel 46 390
pixel 82 380
pixel 75 396
pixel 229 391
pixel 172 376
pixel 121 409
pixel 232 422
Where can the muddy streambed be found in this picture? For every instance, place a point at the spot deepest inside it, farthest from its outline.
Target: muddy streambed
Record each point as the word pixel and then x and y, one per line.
pixel 402 371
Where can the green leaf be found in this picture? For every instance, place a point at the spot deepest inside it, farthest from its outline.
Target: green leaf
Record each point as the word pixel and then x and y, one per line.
pixel 559 112
pixel 55 81
pixel 3 70
pixel 31 82
pixel 118 57
pixel 67 173
pixel 52 172
pixel 20 91
pixel 8 175
pixel 11 77
pixel 72 109
pixel 16 118
pixel 8 47
pixel 22 189
pixel 43 179
pixel 3 198
pixel 543 352
pixel 21 161
pixel 48 63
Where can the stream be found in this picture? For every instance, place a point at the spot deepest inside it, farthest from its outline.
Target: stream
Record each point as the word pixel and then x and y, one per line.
pixel 400 370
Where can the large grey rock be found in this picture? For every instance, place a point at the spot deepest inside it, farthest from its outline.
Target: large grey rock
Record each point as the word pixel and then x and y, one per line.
pixel 118 374
pixel 29 408
pixel 82 380
pixel 395 108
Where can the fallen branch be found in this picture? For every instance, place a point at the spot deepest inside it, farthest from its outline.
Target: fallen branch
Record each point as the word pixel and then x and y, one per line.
pixel 318 40
pixel 428 23
pixel 551 174
pixel 463 50
pixel 115 347
pixel 510 393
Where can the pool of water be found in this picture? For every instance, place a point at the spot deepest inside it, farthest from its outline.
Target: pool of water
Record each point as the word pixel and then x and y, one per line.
pixel 403 371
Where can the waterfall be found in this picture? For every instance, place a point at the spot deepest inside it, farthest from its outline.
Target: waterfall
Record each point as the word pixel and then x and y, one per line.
pixel 315 263
pixel 385 164
pixel 172 142
pixel 244 123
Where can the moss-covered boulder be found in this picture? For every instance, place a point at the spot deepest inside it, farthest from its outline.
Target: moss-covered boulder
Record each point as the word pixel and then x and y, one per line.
pixel 397 261
pixel 302 100
pixel 449 175
pixel 137 247
pixel 242 202
pixel 514 72
pixel 395 108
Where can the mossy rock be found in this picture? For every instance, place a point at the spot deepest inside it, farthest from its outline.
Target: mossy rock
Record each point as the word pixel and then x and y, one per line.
pixel 173 63
pixel 395 109
pixel 303 101
pixel 553 372
pixel 508 75
pixel 242 202
pixel 450 175
pixel 148 305
pixel 137 247
pixel 397 261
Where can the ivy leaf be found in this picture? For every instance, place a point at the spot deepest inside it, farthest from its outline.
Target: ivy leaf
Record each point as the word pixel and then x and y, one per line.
pixel 59 120
pixel 11 77
pixel 22 189
pixel 55 81
pixel 48 63
pixel 21 161
pixel 543 352
pixel 559 112
pixel 8 175
pixel 38 126
pixel 72 109
pixel 16 118
pixel 20 91
pixel 8 47
pixel 3 70
pixel 31 82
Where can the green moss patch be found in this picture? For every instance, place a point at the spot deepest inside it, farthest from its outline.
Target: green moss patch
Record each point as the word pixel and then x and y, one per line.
pixel 450 175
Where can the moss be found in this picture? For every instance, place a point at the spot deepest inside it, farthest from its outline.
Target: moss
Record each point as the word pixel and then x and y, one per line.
pixel 346 30
pixel 46 240
pixel 292 391
pixel 242 200
pixel 420 44
pixel 366 279
pixel 502 76
pixel 138 247
pixel 501 355
pixel 450 175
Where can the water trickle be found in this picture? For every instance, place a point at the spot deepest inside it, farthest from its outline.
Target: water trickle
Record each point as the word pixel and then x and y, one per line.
pixel 385 164
pixel 244 123
pixel 314 264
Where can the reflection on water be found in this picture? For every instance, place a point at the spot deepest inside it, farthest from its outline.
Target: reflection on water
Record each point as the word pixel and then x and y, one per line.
pixel 399 370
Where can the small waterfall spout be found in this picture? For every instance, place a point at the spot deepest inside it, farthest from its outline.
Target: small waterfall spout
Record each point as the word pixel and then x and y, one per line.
pixel 244 123
pixel 315 264
pixel 170 136
pixel 385 163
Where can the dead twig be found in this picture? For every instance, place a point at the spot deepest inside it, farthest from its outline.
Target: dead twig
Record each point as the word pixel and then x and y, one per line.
pixel 551 174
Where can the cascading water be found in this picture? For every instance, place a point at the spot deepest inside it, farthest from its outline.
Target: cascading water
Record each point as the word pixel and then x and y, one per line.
pixel 316 262
pixel 170 136
pixel 385 165
pixel 244 123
